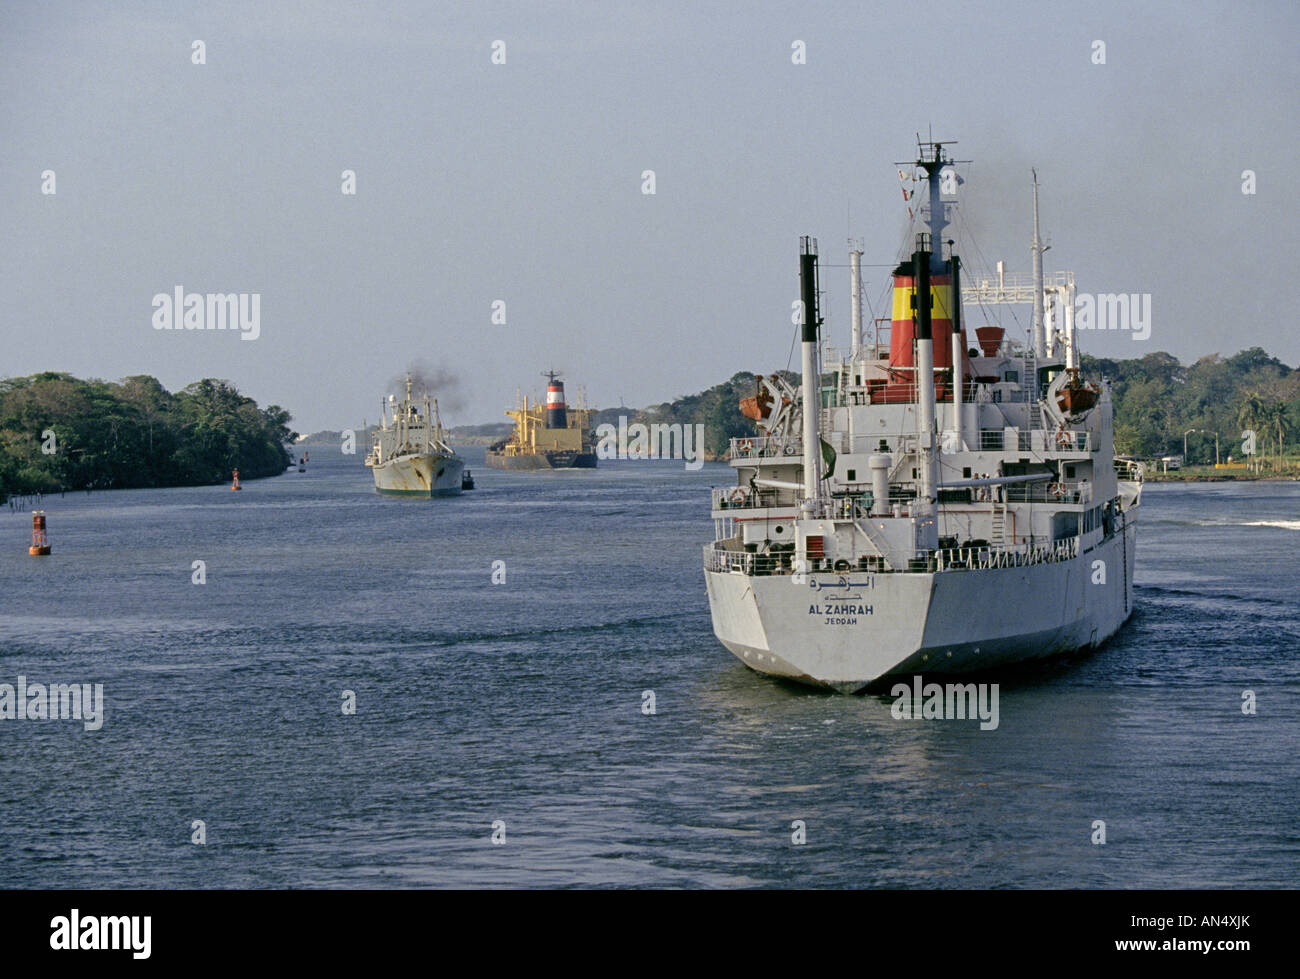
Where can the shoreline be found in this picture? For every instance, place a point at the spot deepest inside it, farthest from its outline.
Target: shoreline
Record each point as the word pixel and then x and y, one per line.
pixel 1220 478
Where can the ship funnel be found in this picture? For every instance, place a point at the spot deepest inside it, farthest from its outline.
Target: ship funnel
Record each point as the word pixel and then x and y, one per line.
pixel 556 416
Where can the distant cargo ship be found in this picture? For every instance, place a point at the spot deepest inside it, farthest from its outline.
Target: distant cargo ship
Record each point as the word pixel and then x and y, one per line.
pixel 546 437
pixel 410 455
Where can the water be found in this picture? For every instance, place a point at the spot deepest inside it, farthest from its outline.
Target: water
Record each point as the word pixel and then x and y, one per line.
pixel 521 702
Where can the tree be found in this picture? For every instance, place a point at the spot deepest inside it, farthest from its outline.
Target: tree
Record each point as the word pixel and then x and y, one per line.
pixel 1277 417
pixel 1251 415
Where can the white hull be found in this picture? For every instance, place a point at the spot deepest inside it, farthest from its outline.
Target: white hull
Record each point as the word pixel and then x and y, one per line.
pixel 846 631
pixel 953 508
pixel 419 475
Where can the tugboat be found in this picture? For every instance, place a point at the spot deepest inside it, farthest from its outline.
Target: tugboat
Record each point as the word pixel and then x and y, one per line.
pixel 921 506
pixel 410 455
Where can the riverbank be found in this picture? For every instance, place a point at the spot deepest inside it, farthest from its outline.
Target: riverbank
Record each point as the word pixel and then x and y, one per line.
pixel 1208 474
pixel 61 433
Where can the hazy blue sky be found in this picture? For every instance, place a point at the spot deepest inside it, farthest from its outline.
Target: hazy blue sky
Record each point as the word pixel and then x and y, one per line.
pixel 522 181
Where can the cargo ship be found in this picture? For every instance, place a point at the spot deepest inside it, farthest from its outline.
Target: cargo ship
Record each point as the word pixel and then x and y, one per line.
pixel 550 436
pixel 410 455
pixel 921 505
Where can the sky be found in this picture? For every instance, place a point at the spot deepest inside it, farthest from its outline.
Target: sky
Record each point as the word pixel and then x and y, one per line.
pixel 522 182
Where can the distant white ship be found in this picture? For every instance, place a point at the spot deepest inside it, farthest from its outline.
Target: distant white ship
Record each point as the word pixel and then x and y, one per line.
pixel 923 506
pixel 410 455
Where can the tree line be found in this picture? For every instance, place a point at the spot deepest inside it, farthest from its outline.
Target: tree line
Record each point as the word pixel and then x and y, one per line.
pixel 58 432
pixel 1157 399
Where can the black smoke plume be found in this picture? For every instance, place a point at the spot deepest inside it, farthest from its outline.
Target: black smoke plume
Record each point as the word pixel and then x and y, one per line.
pixel 433 380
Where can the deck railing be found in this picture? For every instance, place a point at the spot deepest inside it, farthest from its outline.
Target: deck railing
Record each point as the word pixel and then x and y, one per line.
pixel 766 447
pixel 1068 492
pixel 744 498
pixel 1043 440
pixel 968 558
pixel 720 559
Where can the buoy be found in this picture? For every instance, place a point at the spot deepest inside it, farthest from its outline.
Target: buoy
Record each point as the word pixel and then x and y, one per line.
pixel 235 485
pixel 40 541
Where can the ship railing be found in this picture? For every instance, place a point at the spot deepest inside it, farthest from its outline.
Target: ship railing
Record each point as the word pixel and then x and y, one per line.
pixel 1008 287
pixel 766 447
pixel 745 498
pixel 987 558
pixel 1035 439
pixel 717 558
pixel 1067 492
pixel 1048 440
pixel 1130 470
pixel 855 506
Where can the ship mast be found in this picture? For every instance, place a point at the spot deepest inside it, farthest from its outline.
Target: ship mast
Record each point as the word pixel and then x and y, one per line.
pixel 811 380
pixel 855 298
pixel 1038 279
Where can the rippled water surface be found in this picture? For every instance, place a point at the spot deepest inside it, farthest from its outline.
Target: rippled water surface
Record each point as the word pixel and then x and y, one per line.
pixel 521 702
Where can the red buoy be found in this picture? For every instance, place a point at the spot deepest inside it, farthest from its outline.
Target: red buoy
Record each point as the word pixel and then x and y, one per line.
pixel 40 540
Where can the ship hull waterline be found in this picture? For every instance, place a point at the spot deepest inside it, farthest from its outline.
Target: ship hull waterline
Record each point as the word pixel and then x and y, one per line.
pixel 851 631
pixel 529 462
pixel 423 476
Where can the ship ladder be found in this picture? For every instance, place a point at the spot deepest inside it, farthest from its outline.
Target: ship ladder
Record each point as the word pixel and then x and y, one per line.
pixel 999 526
pixel 905 455
pixel 878 542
